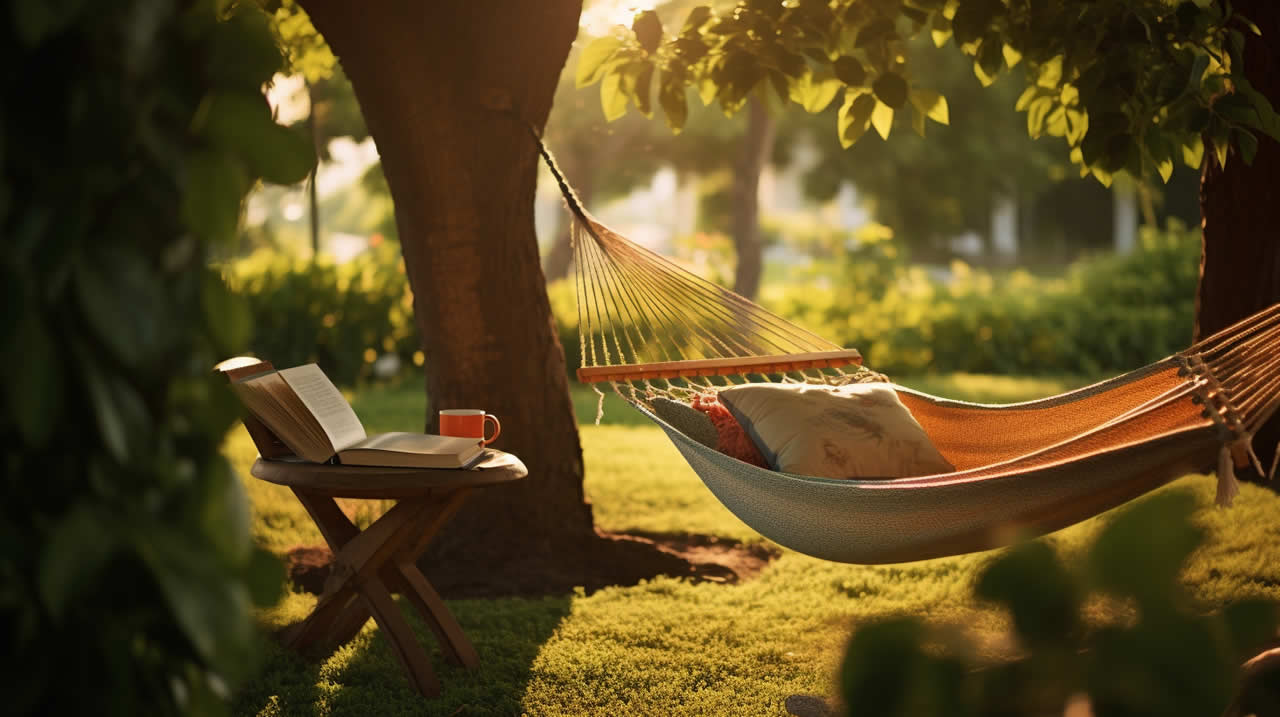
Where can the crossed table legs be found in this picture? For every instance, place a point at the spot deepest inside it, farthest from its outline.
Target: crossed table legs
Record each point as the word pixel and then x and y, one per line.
pixel 368 567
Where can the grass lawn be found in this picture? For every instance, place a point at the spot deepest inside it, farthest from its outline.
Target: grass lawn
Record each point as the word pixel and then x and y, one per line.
pixel 667 646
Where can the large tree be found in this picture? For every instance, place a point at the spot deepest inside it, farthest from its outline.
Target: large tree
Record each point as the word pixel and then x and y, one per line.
pixel 449 92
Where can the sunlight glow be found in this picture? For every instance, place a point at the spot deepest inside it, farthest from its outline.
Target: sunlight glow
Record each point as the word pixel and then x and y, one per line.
pixel 598 19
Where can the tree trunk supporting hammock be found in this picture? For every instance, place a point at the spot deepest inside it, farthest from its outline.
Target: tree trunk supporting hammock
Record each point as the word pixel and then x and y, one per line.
pixel 650 328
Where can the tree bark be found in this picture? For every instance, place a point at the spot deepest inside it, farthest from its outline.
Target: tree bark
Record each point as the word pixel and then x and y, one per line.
pixel 757 143
pixel 1240 210
pixel 432 80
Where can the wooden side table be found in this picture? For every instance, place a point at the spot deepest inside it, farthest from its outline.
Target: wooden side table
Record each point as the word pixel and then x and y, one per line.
pixel 370 565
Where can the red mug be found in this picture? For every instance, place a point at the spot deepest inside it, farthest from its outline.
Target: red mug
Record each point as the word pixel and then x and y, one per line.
pixel 468 423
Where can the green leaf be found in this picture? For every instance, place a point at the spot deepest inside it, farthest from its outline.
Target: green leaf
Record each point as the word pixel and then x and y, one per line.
pixel 35 401
pixel 224 516
pixel 591 65
pixel 815 92
pixel 849 71
pixel 1247 143
pixel 1043 599
pixel 1249 623
pixel 973 18
pixel 643 94
pixel 242 51
pixel 983 78
pixel 940 37
pixel 79 546
pixel 1193 152
pixel 265 576
pixel 241 122
pixel 932 105
pixel 1049 74
pixel 216 182
pixel 696 19
pixel 1011 56
pixel 882 659
pixel 891 89
pixel 613 99
pixel 882 119
pixel 1024 100
pixel 111 287
pixel 210 607
pixel 855 116
pixel 1036 113
pixel 675 103
pixel 648 29
pixel 878 30
pixel 227 315
pixel 1142 551
pixel 118 410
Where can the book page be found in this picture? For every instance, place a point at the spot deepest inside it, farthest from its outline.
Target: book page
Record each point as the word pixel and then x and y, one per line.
pixel 325 401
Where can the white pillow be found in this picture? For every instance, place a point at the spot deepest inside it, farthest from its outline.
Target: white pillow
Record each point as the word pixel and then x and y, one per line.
pixel 861 430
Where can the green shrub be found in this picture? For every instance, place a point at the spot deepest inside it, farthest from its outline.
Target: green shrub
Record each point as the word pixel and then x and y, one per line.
pixel 341 317
pixel 130 133
pixel 1155 654
pixel 1106 314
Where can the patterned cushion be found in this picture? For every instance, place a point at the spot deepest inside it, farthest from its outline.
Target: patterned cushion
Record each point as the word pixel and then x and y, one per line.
pixel 731 439
pixel 687 419
pixel 854 431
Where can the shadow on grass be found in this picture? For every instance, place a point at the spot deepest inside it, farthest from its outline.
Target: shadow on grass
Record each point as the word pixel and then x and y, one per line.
pixel 364 677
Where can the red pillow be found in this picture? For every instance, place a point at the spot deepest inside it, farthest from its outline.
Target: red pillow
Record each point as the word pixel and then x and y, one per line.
pixel 732 440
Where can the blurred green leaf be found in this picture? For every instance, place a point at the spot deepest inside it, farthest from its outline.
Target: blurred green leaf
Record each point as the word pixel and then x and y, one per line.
pixel 849 71
pixel 227 315
pixel 1041 596
pixel 879 665
pixel 1142 551
pixel 891 89
pixel 265 575
pixel 79 546
pixel 111 285
pixel 648 29
pixel 241 122
pixel 216 183
pixel 35 402
pixel 592 63
pixel 1250 624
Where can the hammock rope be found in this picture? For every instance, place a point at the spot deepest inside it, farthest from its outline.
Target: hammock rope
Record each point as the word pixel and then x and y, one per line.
pixel 651 328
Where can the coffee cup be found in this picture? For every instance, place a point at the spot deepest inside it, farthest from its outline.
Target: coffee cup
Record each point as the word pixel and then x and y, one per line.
pixel 468 423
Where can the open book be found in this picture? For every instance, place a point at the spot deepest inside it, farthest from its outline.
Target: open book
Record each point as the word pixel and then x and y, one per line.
pixel 309 415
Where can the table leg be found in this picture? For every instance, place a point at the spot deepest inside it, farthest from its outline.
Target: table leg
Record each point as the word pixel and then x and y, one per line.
pixel 453 641
pixel 397 631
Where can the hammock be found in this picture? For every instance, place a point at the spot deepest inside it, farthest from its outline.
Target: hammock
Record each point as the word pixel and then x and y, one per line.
pixel 650 329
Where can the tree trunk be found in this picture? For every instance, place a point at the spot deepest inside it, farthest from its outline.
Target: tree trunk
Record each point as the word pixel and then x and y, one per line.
pixel 757 143
pixel 1240 210
pixel 432 79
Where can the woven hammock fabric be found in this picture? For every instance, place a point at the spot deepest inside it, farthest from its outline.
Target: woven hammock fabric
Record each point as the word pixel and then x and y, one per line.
pixel 1021 469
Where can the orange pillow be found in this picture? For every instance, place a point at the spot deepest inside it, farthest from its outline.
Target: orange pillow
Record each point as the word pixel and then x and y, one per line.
pixel 732 440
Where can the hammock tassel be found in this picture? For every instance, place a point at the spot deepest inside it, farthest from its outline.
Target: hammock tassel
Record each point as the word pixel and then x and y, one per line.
pixel 1228 486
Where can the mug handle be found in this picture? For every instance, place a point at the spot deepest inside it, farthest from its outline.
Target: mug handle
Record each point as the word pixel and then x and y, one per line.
pixel 497 428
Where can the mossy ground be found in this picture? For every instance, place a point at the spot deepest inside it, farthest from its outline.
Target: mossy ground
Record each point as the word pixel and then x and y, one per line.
pixel 667 646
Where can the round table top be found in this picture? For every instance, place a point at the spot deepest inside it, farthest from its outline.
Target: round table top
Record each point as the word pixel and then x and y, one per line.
pixel 340 481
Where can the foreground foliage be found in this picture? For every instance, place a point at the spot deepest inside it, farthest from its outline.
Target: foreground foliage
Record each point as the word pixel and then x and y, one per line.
pixel 1145 653
pixel 131 132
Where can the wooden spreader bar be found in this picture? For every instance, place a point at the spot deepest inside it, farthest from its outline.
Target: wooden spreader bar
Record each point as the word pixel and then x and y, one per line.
pixel 777 363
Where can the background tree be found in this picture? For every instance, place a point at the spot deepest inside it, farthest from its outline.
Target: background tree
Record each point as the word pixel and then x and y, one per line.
pixel 1130 86
pixel 129 137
